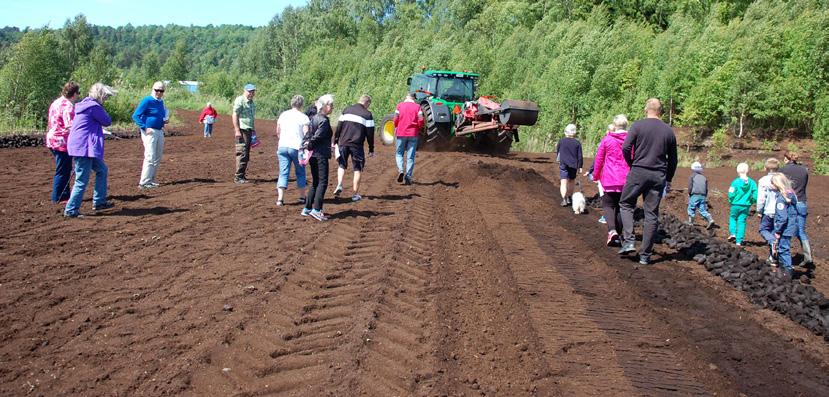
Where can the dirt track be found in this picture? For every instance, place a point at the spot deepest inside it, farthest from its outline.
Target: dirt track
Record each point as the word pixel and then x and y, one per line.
pixel 470 282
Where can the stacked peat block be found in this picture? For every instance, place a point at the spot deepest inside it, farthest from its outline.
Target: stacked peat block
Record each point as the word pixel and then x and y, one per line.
pixel 35 140
pixel 746 272
pixel 19 141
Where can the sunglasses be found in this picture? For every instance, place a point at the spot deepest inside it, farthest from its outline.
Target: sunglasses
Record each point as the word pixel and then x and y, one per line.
pixel 157 90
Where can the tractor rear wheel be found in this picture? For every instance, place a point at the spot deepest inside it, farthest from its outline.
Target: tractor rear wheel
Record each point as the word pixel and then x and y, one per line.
pixel 436 134
pixel 387 129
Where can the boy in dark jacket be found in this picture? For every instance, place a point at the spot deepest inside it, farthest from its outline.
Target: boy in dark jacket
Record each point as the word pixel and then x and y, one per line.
pixel 698 195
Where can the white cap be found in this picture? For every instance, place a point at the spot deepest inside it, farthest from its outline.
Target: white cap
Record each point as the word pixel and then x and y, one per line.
pixel 696 166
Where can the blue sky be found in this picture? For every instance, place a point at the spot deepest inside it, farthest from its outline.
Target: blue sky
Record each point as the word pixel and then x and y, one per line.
pixel 38 13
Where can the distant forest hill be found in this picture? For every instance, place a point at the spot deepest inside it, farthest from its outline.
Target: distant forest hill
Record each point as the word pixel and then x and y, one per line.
pixel 733 67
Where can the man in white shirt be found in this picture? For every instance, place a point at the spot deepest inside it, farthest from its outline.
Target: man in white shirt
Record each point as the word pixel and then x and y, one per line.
pixel 291 128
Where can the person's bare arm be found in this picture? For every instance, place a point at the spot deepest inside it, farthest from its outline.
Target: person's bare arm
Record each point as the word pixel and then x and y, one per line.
pixel 236 125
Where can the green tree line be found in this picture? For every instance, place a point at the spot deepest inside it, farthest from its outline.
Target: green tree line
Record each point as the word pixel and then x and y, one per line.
pixel 736 65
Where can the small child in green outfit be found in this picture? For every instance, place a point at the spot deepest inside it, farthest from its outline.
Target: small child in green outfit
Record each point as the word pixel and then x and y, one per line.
pixel 742 194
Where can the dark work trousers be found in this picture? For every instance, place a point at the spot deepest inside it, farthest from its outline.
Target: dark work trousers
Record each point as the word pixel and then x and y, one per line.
pixel 242 153
pixel 649 184
pixel 319 177
pixel 612 212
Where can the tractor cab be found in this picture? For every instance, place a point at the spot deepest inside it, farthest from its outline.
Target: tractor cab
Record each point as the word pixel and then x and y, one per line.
pixel 446 86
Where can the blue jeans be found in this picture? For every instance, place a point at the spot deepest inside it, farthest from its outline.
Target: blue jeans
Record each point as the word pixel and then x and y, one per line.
pixel 83 168
pixel 802 213
pixel 288 156
pixel 784 252
pixel 208 129
pixel 698 202
pixel 63 173
pixel 767 230
pixel 407 145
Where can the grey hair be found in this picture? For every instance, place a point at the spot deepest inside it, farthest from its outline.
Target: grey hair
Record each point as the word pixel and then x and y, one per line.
pixel 100 92
pixel 570 130
pixel 365 99
pixel 325 100
pixel 298 101
pixel 620 121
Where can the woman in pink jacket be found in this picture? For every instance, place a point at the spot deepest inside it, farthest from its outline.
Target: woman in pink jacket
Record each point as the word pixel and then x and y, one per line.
pixel 610 170
pixel 61 114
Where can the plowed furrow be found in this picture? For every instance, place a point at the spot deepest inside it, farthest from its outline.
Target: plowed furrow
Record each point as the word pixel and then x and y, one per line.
pixel 594 334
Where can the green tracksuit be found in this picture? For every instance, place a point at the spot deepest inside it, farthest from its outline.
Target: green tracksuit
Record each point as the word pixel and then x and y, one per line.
pixel 742 194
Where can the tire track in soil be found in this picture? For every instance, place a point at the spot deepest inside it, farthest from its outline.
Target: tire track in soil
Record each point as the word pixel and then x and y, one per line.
pixel 598 345
pixel 347 310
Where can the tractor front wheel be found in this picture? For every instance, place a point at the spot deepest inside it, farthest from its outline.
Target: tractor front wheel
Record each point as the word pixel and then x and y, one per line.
pixel 387 129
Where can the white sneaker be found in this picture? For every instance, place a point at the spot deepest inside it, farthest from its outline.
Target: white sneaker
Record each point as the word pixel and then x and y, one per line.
pixel 338 190
pixel 356 197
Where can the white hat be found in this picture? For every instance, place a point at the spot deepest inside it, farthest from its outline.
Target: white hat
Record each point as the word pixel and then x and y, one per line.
pixel 696 166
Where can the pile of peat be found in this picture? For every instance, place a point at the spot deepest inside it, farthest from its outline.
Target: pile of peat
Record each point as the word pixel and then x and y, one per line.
pixel 746 272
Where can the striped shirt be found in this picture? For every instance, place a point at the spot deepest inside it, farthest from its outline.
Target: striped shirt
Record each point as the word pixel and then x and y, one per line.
pixel 355 125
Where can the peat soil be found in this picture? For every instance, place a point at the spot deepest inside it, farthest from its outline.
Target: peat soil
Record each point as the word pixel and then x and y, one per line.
pixel 469 282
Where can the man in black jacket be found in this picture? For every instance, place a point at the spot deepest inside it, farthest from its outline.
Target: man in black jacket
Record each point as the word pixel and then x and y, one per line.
pixel 355 126
pixel 650 150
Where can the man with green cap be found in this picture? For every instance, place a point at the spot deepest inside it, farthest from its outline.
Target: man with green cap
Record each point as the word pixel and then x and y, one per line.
pixel 244 111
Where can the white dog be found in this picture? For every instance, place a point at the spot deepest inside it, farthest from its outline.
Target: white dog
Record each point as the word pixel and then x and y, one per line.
pixel 579 203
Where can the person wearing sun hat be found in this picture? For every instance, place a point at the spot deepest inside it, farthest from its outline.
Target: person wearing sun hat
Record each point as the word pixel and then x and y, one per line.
pixel 244 113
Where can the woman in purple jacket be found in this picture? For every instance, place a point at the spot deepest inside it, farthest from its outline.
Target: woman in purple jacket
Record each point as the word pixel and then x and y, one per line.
pixel 610 169
pixel 86 146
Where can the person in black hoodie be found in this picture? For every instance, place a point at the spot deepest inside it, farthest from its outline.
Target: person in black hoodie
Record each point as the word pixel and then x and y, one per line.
pixel 318 141
pixel 650 149
pixel 570 163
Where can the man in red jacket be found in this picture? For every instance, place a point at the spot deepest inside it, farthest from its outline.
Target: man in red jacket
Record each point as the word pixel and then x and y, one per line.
pixel 408 121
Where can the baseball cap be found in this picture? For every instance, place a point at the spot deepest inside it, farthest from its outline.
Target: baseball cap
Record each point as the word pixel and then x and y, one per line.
pixel 696 166
pixel 250 87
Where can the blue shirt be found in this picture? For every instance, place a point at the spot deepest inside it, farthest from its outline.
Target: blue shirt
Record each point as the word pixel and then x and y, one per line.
pixel 150 113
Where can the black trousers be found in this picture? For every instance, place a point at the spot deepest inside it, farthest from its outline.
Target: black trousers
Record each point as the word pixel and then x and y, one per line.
pixel 612 211
pixel 319 177
pixel 649 184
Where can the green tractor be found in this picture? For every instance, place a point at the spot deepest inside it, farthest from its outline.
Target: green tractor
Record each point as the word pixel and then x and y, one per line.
pixel 455 117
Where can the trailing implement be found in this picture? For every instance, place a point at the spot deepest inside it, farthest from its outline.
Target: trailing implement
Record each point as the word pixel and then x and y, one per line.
pixel 456 118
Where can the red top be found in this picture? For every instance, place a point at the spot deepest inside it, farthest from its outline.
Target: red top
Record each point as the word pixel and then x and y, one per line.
pixel 208 111
pixel 408 119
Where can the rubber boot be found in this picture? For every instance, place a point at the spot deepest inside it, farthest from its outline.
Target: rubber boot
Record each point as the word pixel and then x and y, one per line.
pixel 807 252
